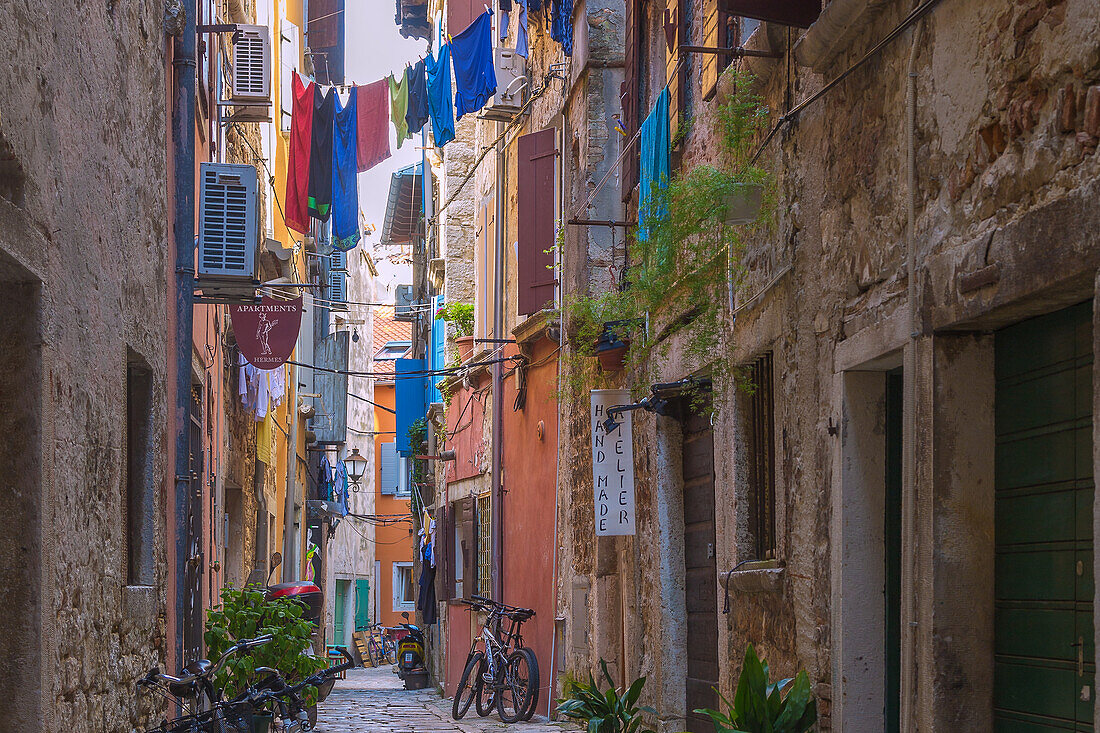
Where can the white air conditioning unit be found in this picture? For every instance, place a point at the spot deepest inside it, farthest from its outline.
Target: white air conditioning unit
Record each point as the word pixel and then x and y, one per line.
pixel 252 64
pixel 511 71
pixel 229 227
pixel 403 303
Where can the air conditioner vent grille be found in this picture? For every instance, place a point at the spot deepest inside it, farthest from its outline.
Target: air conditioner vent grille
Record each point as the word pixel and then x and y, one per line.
pixel 228 221
pixel 252 64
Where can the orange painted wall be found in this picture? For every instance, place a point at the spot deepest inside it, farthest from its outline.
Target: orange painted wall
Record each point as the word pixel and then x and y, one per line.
pixel 393 543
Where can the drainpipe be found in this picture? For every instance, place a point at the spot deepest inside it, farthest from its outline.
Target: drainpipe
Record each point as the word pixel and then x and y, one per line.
pixel 183 227
pixel 909 453
pixel 498 384
pixel 289 570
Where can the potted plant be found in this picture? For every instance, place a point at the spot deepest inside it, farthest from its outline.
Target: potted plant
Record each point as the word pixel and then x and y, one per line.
pixel 248 613
pixel 612 345
pixel 613 711
pixel 461 316
pixel 743 203
pixel 786 706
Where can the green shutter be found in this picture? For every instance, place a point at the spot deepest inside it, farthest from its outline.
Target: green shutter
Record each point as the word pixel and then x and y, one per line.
pixel 340 635
pixel 1043 626
pixel 362 604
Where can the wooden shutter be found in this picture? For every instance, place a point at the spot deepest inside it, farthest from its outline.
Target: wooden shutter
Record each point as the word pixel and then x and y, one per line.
pixel 673 29
pixel 468 535
pixel 713 20
pixel 389 479
pixel 324 23
pixel 535 192
pixel 485 267
pixel 629 94
pixel 460 13
pixel 445 553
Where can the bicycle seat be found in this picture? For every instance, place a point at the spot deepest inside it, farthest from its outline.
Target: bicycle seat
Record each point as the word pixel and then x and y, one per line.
pixel 522 614
pixel 189 687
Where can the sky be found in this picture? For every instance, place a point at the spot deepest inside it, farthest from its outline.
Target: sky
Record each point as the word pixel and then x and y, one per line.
pixel 373 48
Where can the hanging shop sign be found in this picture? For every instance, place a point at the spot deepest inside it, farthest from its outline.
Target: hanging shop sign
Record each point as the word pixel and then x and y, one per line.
pixel 266 332
pixel 612 464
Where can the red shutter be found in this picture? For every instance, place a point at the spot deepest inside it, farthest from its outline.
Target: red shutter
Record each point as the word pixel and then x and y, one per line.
pixel 535 188
pixel 800 13
pixel 460 13
pixel 445 553
pixel 629 90
pixel 324 23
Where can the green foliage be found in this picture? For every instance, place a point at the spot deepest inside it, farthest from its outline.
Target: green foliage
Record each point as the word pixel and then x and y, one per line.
pixel 760 706
pixel 686 263
pixel 418 433
pixel 610 711
pixel 246 614
pixel 459 315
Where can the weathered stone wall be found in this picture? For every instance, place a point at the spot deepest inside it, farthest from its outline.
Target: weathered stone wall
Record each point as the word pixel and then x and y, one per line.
pixel 1005 227
pixel 84 234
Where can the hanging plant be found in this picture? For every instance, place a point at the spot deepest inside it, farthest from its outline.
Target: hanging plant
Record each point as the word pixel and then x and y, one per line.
pixel 686 259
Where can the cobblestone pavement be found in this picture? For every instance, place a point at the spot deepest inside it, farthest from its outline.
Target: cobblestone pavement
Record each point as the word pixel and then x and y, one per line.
pixel 374 700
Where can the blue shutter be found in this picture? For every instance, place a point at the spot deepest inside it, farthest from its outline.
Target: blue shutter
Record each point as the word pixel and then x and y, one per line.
pixel 390 476
pixel 410 400
pixel 439 332
pixel 331 421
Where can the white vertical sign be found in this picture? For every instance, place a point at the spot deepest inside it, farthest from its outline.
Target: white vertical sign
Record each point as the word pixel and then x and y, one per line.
pixel 612 464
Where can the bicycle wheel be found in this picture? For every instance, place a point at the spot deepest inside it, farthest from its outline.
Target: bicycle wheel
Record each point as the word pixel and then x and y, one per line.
pixel 390 649
pixel 533 681
pixel 464 695
pixel 485 697
pixel 514 695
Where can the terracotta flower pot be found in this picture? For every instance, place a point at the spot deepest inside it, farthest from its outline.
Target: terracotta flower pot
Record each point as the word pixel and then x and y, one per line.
pixel 611 349
pixel 465 346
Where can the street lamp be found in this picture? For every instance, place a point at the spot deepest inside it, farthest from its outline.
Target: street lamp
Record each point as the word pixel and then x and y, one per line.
pixel 357 466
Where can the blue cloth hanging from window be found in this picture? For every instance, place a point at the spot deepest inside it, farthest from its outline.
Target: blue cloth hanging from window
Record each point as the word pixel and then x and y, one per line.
pixel 440 103
pixel 417 113
pixel 654 164
pixel 561 25
pixel 345 186
pixel 472 57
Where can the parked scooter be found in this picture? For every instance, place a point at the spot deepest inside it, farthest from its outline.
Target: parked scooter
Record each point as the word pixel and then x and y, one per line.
pixel 410 656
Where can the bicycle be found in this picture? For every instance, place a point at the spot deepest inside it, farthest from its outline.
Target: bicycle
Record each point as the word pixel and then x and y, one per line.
pixel 380 647
pixel 505 675
pixel 208 714
pixel 236 715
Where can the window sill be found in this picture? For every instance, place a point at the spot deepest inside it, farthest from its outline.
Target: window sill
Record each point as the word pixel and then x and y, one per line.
pixel 765 576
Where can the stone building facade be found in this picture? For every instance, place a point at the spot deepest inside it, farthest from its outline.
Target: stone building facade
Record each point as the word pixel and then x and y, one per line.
pixel 85 256
pixel 924 298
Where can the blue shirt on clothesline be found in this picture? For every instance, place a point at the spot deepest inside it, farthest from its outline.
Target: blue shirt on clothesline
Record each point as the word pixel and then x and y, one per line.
pixel 472 57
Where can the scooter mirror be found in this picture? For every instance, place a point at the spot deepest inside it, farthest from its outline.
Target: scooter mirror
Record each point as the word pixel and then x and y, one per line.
pixel 276 559
pixel 405 615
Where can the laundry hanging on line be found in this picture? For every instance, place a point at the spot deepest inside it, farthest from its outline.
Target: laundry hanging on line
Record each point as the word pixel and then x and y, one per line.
pixel 416 116
pixel 297 179
pixel 399 104
pixel 345 186
pixel 373 126
pixel 472 58
pixel 320 154
pixel 440 102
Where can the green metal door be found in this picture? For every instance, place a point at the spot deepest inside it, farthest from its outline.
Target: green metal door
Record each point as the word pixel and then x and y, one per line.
pixel 340 635
pixel 362 604
pixel 1043 638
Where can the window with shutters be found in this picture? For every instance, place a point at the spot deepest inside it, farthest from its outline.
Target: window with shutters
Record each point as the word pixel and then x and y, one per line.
pixel 484 545
pixel 460 559
pixel 485 267
pixel 722 28
pixel 389 472
pixel 673 23
pixel 631 91
pixel 403 596
pixel 758 427
pixel 536 198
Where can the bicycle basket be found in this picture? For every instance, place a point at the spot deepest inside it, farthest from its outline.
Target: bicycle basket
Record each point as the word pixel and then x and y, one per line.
pixel 238 717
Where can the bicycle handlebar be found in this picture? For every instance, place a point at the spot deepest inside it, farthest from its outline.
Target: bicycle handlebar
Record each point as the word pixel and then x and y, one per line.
pixel 154 675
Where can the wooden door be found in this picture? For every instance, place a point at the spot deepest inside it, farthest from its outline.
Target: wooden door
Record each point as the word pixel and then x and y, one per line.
pixel 1043 640
pixel 700 569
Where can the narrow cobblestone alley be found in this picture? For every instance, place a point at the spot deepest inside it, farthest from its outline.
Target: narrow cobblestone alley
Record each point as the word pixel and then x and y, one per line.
pixel 374 700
